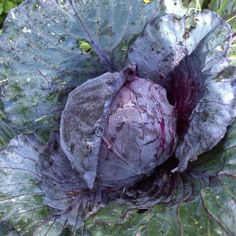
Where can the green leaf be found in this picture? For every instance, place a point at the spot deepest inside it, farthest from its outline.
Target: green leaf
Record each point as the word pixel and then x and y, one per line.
pixel 232 53
pixel 225 8
pixel 9 5
pixel 7 133
pixel 85 46
pixel 1 8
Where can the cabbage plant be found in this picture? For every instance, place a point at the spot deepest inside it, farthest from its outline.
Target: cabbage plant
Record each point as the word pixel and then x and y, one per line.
pixel 116 118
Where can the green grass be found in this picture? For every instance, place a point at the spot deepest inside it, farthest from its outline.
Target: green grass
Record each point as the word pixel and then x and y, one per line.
pixel 5 6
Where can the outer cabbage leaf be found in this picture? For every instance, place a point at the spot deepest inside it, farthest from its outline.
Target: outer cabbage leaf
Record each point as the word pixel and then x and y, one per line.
pixel 188 56
pixel 111 24
pixel 226 9
pixel 40 193
pixel 42 53
pixel 83 121
pixel 210 118
pixel 210 212
pixel 40 60
pixel 66 193
pixel 168 39
pixel 21 203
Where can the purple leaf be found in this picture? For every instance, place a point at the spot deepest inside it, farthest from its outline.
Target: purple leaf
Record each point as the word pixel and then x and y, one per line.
pixel 83 121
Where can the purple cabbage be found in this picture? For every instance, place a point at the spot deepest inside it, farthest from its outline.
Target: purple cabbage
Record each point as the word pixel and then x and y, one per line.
pixel 128 127
pixel 139 134
pixel 129 135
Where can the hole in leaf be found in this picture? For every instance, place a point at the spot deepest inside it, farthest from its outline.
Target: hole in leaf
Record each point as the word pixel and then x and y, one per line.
pixel 85 46
pixel 147 1
pixel 140 211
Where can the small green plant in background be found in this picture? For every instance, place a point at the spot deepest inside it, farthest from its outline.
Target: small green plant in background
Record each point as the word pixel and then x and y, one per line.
pixel 5 6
